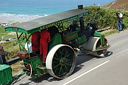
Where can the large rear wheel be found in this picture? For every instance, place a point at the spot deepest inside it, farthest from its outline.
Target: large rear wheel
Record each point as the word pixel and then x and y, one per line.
pixel 61 61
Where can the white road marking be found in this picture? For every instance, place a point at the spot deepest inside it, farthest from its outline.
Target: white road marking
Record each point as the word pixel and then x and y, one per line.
pixel 87 72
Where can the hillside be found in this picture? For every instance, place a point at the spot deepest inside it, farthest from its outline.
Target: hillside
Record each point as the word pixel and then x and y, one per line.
pixel 118 4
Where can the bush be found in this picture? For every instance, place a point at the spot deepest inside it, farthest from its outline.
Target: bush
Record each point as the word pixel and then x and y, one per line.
pixel 104 17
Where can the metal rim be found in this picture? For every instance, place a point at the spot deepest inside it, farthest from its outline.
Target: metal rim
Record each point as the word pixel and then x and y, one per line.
pixel 102 52
pixel 61 61
pixel 29 71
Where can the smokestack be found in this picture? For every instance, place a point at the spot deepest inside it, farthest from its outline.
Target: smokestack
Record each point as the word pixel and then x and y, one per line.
pixel 81 19
pixel 80 6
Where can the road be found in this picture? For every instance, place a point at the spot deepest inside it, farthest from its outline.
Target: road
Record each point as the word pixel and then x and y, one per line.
pixel 111 70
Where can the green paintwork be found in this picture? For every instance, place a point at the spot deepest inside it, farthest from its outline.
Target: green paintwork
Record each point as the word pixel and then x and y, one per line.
pixel 81 40
pixel 101 35
pixel 22 39
pixel 56 39
pixel 71 36
pixel 74 36
pixel 21 44
pixel 5 74
pixel 35 62
pixel 33 30
pixel 15 30
pixel 21 30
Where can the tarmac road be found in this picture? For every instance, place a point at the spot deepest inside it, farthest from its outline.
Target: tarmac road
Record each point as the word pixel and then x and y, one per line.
pixel 111 70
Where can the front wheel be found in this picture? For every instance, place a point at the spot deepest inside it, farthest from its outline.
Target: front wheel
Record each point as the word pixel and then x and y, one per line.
pixel 61 61
pixel 101 53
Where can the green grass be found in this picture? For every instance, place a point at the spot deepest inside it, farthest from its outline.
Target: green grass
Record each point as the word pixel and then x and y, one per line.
pixel 110 32
pixel 11 46
pixel 4 34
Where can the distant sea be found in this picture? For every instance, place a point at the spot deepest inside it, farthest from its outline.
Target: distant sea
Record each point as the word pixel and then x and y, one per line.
pixel 23 10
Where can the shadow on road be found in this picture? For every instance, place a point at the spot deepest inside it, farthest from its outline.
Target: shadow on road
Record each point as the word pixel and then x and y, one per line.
pixel 81 59
pixel 33 81
pixel 40 79
pixel 84 58
pixel 109 53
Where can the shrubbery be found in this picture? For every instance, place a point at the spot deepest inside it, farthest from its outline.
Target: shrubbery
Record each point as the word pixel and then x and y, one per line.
pixel 105 17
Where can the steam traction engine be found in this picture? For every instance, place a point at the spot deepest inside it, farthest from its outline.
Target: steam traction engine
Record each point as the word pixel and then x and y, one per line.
pixel 65 38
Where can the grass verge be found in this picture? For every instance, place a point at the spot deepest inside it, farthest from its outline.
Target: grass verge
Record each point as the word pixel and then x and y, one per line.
pixel 110 32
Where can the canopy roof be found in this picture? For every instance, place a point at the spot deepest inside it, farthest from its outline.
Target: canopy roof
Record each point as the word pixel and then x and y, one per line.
pixel 47 21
